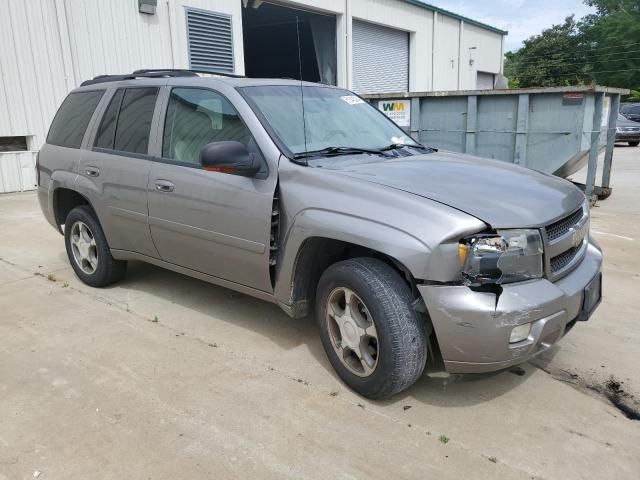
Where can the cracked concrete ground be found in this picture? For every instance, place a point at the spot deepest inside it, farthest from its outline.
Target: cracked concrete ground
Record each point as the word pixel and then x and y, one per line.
pixel 167 377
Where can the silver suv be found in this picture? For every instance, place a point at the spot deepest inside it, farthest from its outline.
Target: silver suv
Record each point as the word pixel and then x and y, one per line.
pixel 306 196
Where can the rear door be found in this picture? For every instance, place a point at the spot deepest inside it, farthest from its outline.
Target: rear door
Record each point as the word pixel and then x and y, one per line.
pixel 212 222
pixel 114 173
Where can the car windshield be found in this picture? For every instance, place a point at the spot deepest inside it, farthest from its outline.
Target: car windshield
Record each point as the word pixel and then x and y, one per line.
pixel 335 121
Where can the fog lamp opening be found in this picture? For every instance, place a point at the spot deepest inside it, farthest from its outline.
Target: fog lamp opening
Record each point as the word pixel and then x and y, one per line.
pixel 520 333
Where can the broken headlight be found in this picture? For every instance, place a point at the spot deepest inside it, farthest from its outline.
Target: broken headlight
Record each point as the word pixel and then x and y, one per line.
pixel 504 257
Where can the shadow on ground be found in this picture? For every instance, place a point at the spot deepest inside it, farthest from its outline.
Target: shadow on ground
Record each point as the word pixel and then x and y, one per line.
pixel 434 388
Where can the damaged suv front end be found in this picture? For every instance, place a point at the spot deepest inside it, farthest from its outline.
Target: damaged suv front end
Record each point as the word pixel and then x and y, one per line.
pixel 521 290
pixel 500 255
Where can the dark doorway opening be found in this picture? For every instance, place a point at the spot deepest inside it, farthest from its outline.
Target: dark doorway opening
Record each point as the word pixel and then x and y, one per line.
pixel 271 47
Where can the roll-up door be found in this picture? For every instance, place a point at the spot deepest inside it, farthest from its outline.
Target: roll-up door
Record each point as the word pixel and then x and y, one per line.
pixel 485 81
pixel 380 58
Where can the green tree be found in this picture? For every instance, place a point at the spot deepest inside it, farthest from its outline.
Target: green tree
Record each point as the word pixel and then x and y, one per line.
pixel 613 36
pixel 602 48
pixel 555 57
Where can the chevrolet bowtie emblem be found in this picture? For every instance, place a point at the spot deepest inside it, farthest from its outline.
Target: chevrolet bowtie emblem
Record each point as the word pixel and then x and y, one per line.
pixel 576 236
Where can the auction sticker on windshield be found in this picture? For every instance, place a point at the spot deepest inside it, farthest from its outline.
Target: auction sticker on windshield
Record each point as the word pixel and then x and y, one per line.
pixel 397 110
pixel 351 99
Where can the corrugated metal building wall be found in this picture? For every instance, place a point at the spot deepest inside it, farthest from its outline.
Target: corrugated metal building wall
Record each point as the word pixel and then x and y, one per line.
pixel 48 47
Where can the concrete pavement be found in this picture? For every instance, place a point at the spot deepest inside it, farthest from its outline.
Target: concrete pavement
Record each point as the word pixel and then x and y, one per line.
pixel 166 377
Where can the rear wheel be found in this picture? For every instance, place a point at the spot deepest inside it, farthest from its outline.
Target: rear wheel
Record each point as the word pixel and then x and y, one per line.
pixel 634 144
pixel 373 337
pixel 88 250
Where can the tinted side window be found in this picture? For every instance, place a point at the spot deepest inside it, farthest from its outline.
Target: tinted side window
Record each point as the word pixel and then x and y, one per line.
pixel 72 119
pixel 196 117
pixel 107 130
pixel 134 120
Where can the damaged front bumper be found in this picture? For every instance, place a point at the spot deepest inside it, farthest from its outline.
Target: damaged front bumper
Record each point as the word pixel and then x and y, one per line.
pixel 474 328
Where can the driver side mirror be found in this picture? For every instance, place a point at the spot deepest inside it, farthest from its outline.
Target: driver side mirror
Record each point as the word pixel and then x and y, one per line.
pixel 229 157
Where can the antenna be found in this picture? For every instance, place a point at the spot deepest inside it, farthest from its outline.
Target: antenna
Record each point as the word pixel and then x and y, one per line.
pixel 304 121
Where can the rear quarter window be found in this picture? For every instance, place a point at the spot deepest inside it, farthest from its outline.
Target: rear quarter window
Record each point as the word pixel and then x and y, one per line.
pixel 71 121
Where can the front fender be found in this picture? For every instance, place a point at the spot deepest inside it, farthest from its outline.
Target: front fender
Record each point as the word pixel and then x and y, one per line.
pixel 409 251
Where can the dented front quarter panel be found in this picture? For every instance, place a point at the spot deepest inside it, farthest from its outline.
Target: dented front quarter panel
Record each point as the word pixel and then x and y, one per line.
pixel 473 328
pixel 418 233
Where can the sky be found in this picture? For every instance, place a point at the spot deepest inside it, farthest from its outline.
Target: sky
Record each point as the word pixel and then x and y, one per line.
pixel 522 18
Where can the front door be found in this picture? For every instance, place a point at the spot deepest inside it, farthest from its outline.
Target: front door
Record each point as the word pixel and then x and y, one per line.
pixel 212 222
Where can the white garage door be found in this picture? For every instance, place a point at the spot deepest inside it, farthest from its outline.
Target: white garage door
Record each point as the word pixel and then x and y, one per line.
pixel 485 81
pixel 380 59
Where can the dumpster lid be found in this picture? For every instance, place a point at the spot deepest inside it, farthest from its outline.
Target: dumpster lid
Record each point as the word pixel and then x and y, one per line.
pixel 506 91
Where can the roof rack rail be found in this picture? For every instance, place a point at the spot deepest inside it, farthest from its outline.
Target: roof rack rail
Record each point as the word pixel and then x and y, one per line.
pixel 154 73
pixel 170 71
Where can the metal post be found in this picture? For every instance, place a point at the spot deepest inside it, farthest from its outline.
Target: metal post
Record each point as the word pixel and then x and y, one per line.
pixel 595 144
pixel 472 124
pixel 414 129
pixel 522 129
pixel 433 51
pixel 460 50
pixel 611 139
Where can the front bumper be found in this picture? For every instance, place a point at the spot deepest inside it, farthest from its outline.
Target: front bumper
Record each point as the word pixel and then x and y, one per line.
pixel 627 136
pixel 473 329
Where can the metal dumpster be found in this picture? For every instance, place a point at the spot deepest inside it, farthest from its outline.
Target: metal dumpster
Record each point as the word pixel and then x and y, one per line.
pixel 555 130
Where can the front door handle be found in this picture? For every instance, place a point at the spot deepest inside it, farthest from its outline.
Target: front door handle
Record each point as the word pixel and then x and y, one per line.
pixel 164 186
pixel 92 171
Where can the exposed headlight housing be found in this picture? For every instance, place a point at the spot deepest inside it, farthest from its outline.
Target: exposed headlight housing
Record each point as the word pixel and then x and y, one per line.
pixel 504 257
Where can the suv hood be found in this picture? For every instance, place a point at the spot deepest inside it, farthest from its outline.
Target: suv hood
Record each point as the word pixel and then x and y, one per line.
pixel 627 123
pixel 500 194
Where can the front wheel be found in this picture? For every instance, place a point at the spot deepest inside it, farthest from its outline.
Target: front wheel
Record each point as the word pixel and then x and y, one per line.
pixel 373 337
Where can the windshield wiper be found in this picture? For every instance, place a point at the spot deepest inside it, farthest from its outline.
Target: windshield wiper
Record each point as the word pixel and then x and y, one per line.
pixel 395 146
pixel 336 151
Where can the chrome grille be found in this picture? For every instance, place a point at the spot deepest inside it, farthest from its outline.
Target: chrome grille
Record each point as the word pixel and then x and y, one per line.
pixel 560 261
pixel 566 242
pixel 561 227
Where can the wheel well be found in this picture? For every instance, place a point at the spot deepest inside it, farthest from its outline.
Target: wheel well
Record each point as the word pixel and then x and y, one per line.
pixel 317 254
pixel 65 200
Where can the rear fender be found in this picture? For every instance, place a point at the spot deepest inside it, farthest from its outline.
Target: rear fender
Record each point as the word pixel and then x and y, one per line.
pixel 58 179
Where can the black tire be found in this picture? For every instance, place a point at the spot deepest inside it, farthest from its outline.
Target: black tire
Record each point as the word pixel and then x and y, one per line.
pixel 401 344
pixel 108 269
pixel 604 193
pixel 634 144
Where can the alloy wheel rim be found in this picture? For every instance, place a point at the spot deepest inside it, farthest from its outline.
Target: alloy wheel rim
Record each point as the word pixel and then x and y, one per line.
pixel 83 246
pixel 352 331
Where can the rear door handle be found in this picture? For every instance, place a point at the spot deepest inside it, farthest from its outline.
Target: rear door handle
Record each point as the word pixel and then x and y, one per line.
pixel 164 186
pixel 92 171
